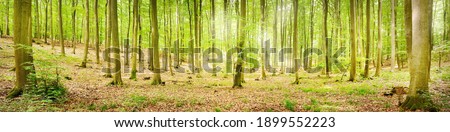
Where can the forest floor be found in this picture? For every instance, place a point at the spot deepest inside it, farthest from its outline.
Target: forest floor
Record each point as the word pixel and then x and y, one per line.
pixel 88 90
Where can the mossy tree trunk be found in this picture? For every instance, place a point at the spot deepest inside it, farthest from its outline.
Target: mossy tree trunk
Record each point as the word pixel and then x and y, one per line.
pixel 61 30
pixel 74 29
pixel 114 26
pixel 380 40
pixel 237 80
pixel 263 37
pixel 22 46
pixel 135 39
pixel 393 33
pixel 295 41
pixel 352 41
pixel 368 41
pixel 213 35
pixel 97 33
pixel 108 38
pixel 418 95
pixel 86 36
pixel 155 35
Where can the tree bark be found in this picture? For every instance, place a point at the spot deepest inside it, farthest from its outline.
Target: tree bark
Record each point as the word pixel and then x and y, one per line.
pixel 295 42
pixel 408 30
pixel 38 25
pixel 97 34
pixel 86 38
pixel 74 29
pixel 263 54
pixel 418 95
pixel 393 33
pixel 325 38
pixel 117 78
pixel 108 39
pixel 156 73
pixel 61 30
pixel 368 41
pixel 353 41
pixel 22 46
pixel 135 39
pixel 237 80
pixel 380 39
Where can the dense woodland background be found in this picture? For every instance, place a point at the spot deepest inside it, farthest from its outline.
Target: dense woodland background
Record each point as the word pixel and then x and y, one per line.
pixel 377 36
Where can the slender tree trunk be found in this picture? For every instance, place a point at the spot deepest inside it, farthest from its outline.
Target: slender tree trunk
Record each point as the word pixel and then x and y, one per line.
pixel 108 39
pixel 408 30
pixel 325 38
pixel 61 31
pixel 237 80
pixel 22 45
pixel 295 42
pixel 7 18
pixel 311 28
pixel 135 39
pixel 86 38
pixel 74 29
pixel 418 95
pixel 353 41
pixel 150 50
pixel 51 25
pixel 38 25
pixel 191 41
pixel 393 33
pixel 46 21
pixel 275 34
pixel 213 34
pixel 263 35
pixel 156 73
pixel 97 33
pixel 368 41
pixel 117 78
pixel 380 39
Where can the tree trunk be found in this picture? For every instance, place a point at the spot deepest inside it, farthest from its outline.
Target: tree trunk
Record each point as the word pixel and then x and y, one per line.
pixel 380 40
pixel 237 80
pixel 97 34
pixel 108 39
pixel 74 29
pixel 135 39
pixel 7 18
pixel 408 30
pixel 325 39
pixel 156 73
pixel 311 28
pixel 295 42
pixel 61 31
pixel 22 38
pixel 51 25
pixel 150 50
pixel 393 33
pixel 275 34
pixel 213 35
pixel 353 41
pixel 46 22
pixel 86 38
pixel 117 78
pixel 418 95
pixel 263 54
pixel 38 25
pixel 368 41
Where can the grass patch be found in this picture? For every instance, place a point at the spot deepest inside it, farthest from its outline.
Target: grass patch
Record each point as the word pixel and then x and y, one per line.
pixel 137 101
pixel 288 104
